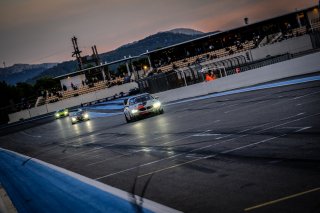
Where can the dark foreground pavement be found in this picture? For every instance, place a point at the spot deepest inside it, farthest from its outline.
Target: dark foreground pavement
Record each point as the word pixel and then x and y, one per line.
pixel 250 152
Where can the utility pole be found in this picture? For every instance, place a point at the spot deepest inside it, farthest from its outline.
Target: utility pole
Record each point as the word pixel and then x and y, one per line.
pixel 76 52
pixel 95 55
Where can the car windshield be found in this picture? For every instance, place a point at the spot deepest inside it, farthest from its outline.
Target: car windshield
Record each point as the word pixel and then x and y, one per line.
pixel 79 113
pixel 140 99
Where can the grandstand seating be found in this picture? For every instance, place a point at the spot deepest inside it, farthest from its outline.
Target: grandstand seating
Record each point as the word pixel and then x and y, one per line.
pixel 222 52
pixel 208 56
pixel 83 90
pixel 214 54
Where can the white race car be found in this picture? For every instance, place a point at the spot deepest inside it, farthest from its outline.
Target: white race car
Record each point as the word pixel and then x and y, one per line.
pixel 142 105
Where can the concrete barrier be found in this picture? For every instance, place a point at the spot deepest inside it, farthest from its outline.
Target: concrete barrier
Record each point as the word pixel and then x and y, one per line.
pixel 298 66
pixel 292 45
pixel 71 102
pixel 40 110
pixel 21 115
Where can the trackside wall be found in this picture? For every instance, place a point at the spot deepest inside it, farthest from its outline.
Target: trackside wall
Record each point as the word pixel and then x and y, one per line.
pixel 297 66
pixel 292 45
pixel 71 102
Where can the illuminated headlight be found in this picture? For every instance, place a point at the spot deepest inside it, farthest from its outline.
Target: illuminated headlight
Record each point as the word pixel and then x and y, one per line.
pixel 157 104
pixel 134 111
pixel 57 115
pixel 86 116
pixel 66 112
pixel 74 119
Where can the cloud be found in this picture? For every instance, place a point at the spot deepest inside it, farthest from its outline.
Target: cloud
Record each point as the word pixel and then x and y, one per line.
pixel 33 29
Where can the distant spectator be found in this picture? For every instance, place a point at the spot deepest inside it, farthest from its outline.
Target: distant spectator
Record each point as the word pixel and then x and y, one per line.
pixel 209 77
pixel 126 78
pixel 174 66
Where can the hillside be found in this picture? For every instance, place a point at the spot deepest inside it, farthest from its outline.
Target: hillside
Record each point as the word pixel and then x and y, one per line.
pixel 152 42
pixel 23 72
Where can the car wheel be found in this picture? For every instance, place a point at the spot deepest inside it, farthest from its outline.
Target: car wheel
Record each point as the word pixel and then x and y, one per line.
pixel 127 120
pixel 161 111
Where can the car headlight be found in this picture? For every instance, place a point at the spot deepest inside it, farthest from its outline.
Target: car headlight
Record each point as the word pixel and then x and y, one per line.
pixel 86 115
pixel 73 119
pixel 134 111
pixel 157 104
pixel 66 112
pixel 57 115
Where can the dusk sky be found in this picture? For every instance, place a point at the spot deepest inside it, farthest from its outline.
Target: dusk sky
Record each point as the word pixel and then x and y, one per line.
pixel 37 31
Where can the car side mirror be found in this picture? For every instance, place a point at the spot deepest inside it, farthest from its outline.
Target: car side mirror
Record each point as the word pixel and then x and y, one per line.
pixel 125 102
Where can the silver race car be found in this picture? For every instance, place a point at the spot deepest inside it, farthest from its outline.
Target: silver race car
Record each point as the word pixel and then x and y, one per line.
pixel 80 115
pixel 140 106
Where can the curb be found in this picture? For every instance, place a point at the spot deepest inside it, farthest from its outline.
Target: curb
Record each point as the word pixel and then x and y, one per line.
pixel 6 205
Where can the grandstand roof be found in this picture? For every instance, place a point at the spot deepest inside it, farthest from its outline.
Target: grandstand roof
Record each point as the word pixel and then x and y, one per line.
pixel 185 42
pixel 207 35
pixel 232 29
pixel 95 67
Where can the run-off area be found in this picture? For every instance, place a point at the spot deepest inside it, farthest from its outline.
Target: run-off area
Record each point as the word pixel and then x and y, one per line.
pixel 223 154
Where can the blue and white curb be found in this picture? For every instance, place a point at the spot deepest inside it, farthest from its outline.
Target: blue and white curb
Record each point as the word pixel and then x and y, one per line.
pixel 35 186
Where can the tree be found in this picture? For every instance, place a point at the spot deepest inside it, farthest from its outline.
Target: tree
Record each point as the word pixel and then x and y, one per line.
pixel 47 83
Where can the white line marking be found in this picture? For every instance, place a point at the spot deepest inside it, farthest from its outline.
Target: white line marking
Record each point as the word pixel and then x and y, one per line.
pixel 304 128
pixel 34 136
pixel 252 144
pixel 241 108
pixel 172 141
pixel 151 205
pixel 285 122
pixel 224 152
pixel 112 158
pixel 205 135
pixel 183 138
pixel 174 156
pixel 302 96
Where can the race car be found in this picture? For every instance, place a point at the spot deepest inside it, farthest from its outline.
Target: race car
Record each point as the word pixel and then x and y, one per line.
pixel 142 105
pixel 78 116
pixel 61 113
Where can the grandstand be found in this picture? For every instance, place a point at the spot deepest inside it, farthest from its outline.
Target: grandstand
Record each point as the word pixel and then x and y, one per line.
pixel 259 42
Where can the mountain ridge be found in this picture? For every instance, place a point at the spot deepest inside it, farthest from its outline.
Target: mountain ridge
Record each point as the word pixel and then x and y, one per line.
pixel 22 72
pixel 149 43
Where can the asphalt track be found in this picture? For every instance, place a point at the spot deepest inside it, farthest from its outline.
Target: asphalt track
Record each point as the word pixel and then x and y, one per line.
pixel 255 151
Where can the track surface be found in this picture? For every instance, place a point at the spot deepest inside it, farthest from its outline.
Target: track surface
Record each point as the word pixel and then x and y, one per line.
pixel 250 152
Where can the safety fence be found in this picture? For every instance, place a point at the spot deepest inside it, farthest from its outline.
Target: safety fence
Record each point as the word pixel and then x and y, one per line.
pixel 196 73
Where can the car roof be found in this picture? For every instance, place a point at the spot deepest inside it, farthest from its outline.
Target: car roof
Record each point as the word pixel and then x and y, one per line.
pixel 79 112
pixel 143 94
